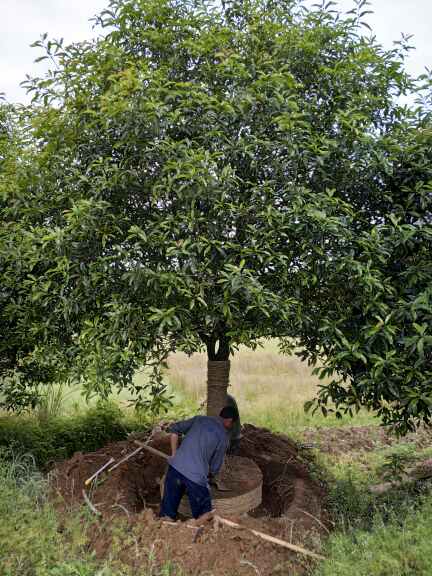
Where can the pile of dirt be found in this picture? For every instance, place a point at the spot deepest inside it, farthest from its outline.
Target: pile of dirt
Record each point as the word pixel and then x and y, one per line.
pixel 132 486
pixel 292 508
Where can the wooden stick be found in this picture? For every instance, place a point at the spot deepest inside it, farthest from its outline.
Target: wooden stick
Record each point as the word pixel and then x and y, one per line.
pixel 247 563
pixel 314 518
pixel 271 539
pixel 124 459
pixel 128 456
pixel 180 524
pixel 152 450
pixel 122 508
pixel 110 461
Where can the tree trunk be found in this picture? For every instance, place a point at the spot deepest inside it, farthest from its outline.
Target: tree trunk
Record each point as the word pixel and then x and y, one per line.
pixel 218 369
pixel 217 384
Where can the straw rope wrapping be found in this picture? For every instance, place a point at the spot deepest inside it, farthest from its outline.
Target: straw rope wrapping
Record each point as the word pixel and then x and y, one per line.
pixel 217 382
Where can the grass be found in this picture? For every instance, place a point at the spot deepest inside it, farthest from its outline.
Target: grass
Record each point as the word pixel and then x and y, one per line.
pixel 62 400
pixel 391 548
pixel 377 535
pixel 31 541
pixel 36 541
pixel 270 388
pixel 384 534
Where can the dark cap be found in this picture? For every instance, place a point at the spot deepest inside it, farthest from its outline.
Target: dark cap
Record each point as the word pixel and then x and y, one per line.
pixel 229 412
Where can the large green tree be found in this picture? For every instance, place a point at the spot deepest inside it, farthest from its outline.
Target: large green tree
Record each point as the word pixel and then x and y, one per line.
pixel 21 374
pixel 207 175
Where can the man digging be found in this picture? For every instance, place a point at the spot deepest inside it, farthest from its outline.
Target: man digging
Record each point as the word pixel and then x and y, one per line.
pixel 201 453
pixel 235 432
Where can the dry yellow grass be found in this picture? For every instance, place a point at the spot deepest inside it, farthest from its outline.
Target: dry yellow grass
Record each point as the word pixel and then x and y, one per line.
pixel 270 388
pixel 262 376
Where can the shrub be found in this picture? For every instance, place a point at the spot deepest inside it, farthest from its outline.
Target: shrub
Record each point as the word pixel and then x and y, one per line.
pixel 61 437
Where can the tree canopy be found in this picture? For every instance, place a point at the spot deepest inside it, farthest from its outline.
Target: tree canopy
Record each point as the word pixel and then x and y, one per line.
pixel 204 176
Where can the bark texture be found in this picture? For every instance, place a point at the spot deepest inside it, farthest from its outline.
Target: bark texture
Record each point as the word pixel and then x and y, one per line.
pixel 217 384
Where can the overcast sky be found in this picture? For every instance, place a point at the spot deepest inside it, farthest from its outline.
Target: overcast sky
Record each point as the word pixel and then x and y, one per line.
pixel 23 21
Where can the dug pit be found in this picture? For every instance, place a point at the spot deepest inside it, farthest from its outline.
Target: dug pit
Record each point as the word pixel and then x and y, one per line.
pixel 241 480
pixel 291 506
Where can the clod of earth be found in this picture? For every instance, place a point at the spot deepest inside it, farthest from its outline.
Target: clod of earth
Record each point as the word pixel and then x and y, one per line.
pixel 291 507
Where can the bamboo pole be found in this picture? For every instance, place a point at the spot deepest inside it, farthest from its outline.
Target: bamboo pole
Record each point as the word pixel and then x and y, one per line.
pixel 124 459
pixel 129 456
pixel 271 539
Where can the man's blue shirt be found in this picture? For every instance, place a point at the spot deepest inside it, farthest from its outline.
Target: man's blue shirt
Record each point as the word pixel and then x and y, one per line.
pixel 202 449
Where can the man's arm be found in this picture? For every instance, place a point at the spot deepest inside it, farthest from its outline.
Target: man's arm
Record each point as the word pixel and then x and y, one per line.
pixel 177 428
pixel 182 427
pixel 174 440
pixel 217 459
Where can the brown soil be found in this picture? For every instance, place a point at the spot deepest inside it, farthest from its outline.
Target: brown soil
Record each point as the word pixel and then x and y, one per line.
pixel 292 509
pixel 361 438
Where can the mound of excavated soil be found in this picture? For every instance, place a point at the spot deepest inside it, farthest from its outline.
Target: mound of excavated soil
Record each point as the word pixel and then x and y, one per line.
pixel 292 507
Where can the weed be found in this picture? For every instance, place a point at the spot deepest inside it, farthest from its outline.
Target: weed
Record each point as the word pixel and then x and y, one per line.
pixel 395 465
pixel 35 541
pixel 50 402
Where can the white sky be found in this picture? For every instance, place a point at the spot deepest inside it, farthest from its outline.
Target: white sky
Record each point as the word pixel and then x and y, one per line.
pixel 23 21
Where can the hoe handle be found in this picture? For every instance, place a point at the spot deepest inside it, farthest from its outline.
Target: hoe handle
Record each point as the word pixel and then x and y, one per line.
pixel 152 450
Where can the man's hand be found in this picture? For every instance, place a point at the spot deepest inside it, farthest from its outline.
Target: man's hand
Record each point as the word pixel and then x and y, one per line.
pixel 217 483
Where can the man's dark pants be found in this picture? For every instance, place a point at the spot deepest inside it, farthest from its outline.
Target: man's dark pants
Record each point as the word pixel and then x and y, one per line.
pixel 175 486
